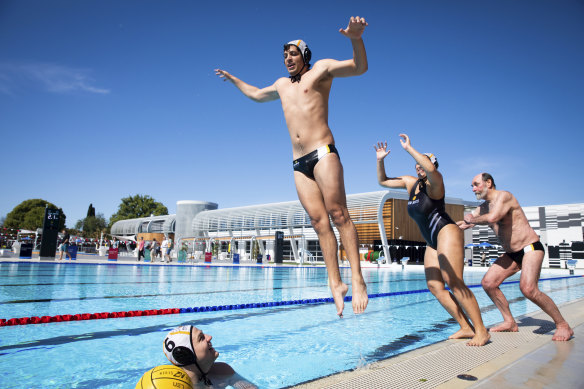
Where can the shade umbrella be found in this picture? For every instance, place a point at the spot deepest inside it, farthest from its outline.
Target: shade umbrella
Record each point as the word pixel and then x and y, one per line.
pixel 470 245
pixel 485 244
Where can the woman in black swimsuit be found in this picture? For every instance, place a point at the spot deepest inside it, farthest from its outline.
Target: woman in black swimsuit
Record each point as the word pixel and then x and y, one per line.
pixel 444 257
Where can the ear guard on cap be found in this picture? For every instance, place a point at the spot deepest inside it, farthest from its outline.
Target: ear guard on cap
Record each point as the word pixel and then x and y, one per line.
pixel 433 158
pixel 178 346
pixel 303 47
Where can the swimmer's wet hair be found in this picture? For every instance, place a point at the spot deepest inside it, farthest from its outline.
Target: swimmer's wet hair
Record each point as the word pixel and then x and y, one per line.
pixel 487 176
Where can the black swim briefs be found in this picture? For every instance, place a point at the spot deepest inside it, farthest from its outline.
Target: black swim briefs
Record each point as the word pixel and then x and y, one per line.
pixel 518 255
pixel 306 163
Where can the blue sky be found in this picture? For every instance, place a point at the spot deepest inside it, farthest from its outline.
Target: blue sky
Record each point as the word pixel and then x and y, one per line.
pixel 100 100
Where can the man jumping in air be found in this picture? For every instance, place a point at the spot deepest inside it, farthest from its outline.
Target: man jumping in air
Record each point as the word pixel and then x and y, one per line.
pixel 318 172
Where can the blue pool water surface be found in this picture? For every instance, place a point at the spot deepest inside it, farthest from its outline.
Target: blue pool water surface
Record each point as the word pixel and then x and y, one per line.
pixel 272 347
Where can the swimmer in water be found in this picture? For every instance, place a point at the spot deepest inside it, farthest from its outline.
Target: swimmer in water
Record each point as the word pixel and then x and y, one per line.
pixel 318 172
pixel 190 349
pixel 444 256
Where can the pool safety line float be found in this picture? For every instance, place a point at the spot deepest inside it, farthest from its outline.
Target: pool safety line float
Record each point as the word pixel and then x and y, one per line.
pixel 212 308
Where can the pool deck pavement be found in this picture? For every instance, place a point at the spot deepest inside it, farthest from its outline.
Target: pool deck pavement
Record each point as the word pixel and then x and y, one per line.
pixel 525 359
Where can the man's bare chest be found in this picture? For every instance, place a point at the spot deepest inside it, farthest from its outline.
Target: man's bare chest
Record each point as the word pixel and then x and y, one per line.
pixel 301 93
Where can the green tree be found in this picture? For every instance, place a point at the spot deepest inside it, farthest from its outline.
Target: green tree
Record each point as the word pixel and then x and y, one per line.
pixel 133 207
pixel 29 215
pixel 92 226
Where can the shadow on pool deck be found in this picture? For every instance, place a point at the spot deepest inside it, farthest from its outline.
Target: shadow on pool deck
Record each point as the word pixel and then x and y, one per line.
pixel 525 359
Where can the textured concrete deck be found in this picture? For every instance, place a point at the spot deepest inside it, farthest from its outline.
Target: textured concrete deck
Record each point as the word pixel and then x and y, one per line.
pixel 525 359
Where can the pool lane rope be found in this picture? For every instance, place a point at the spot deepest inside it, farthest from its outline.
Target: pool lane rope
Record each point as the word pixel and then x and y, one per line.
pixel 212 308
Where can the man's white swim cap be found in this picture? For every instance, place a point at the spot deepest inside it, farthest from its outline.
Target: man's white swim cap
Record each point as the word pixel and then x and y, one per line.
pixel 432 158
pixel 303 47
pixel 178 346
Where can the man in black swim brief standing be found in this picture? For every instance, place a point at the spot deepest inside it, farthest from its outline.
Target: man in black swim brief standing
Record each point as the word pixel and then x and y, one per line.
pixel 524 252
pixel 318 173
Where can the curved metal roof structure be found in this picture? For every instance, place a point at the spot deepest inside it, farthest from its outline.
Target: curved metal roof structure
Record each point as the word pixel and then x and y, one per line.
pixel 363 207
pixel 161 224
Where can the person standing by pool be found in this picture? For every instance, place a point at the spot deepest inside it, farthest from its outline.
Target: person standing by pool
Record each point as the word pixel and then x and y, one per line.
pixel 141 248
pixel 164 247
pixel 64 248
pixel 523 252
pixel 168 249
pixel 190 349
pixel 154 247
pixel 318 172
pixel 444 256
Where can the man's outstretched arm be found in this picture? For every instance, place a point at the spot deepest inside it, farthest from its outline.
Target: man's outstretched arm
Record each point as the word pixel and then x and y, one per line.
pixel 256 94
pixel 358 64
pixel 463 224
pixel 497 210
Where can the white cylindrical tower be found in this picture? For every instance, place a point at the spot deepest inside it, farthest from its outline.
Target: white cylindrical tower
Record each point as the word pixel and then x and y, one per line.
pixel 186 210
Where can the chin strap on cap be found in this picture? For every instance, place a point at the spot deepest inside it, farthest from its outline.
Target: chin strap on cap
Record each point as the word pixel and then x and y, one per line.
pixel 304 52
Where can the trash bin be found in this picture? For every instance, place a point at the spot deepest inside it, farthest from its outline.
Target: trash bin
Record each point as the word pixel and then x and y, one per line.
pixel 72 250
pixel 235 258
pixel 147 255
pixel 112 254
pixel 208 257
pixel 26 251
pixel 279 247
pixel 182 256
pixel 260 258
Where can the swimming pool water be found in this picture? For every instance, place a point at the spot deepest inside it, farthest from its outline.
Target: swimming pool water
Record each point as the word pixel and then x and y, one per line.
pixel 272 347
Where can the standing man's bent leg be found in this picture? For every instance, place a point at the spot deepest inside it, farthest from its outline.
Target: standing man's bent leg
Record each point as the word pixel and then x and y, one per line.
pixel 312 201
pixel 503 268
pixel 329 177
pixel 530 272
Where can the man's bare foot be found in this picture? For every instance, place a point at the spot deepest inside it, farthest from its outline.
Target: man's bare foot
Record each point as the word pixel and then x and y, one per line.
pixel 339 293
pixel 463 333
pixel 505 327
pixel 360 298
pixel 563 333
pixel 480 339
